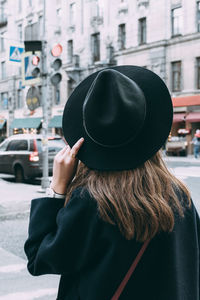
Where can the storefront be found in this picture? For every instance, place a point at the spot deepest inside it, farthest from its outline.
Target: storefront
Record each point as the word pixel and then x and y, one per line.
pixel 186 116
pixel 56 124
pixel 26 125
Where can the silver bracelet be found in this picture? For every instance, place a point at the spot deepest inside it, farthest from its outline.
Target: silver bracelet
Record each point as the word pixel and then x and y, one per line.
pixel 52 194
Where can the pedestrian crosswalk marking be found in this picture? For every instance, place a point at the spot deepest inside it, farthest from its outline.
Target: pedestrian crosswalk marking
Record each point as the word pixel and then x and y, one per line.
pixel 12 268
pixel 29 295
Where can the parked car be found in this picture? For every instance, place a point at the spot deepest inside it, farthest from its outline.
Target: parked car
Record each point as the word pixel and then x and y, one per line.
pixel 177 145
pixel 21 155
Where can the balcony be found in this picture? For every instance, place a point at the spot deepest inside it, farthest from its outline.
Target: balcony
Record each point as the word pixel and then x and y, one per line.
pixel 144 3
pixel 123 8
pixel 3 20
pixel 96 21
pixel 71 29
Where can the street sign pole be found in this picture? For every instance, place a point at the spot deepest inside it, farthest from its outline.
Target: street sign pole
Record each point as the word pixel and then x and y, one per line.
pixel 45 178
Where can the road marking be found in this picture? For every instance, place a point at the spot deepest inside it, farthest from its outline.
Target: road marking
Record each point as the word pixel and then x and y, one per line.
pixel 12 268
pixel 29 295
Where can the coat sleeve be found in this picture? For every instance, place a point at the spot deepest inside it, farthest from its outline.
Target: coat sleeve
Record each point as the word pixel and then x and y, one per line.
pixel 198 233
pixel 60 239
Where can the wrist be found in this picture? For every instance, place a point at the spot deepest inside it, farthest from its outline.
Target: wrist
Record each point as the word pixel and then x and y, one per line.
pixel 58 188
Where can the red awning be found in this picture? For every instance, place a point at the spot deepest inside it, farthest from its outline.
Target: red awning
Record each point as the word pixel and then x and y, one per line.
pixel 186 101
pixel 193 117
pixel 178 117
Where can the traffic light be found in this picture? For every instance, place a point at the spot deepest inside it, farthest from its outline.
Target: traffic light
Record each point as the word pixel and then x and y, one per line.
pixel 31 68
pixel 34 64
pixel 56 64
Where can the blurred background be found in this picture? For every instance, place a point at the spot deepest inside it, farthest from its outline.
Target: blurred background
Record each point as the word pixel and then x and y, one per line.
pixel 46 49
pixel 76 38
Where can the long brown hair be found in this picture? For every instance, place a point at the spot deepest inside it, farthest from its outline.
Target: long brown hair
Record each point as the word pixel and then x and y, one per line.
pixel 141 202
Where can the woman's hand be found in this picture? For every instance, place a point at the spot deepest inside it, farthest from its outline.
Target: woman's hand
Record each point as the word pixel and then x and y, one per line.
pixel 64 167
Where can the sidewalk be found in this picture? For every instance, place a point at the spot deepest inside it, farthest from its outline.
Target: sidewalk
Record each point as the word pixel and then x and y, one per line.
pixel 16 198
pixel 15 281
pixel 186 159
pixel 18 284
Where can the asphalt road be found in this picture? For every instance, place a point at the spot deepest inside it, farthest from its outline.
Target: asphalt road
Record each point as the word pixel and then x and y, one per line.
pixel 15 200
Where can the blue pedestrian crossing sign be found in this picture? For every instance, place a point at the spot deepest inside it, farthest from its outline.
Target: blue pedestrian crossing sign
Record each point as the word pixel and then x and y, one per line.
pixel 15 54
pixel 27 78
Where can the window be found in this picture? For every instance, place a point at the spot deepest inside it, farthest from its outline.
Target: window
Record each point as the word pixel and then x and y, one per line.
pixel 72 14
pixel 4 100
pixel 122 36
pixel 198 16
pixel 198 72
pixel 19 6
pixel 58 12
pixel 32 31
pixel 95 41
pixel 19 29
pixel 19 99
pixel 4 145
pixel 40 21
pixel 3 70
pixel 177 21
pixel 142 31
pixel 2 46
pixel 3 16
pixel 19 145
pixel 176 76
pixel 95 9
pixel 70 51
pixel 30 2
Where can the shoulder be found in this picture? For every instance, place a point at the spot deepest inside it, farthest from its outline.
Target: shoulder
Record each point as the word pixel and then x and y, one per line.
pixel 81 201
pixel 81 193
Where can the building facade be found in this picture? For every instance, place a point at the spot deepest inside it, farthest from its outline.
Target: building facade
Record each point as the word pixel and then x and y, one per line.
pixel 163 36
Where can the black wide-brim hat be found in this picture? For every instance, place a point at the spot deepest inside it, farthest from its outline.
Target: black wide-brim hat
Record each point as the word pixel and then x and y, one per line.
pixel 124 114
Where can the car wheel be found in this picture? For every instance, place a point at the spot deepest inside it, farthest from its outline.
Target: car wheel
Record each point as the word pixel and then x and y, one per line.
pixel 19 174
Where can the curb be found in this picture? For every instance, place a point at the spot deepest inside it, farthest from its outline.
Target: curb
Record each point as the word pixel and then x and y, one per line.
pixel 14 215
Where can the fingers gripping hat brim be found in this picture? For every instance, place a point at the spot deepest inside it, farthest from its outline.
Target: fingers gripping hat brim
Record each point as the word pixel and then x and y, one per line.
pixel 153 134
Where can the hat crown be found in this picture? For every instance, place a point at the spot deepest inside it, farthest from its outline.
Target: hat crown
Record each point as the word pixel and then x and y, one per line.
pixel 114 109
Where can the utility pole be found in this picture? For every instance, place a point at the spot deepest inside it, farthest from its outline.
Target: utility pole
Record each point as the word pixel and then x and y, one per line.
pixel 45 176
pixel 11 103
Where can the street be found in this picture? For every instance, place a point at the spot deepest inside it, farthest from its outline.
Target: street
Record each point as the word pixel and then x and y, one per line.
pixel 16 283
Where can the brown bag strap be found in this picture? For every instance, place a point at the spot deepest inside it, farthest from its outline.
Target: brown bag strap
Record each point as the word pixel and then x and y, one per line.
pixel 130 271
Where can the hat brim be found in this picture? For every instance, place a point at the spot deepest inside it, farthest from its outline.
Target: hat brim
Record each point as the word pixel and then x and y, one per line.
pixel 158 122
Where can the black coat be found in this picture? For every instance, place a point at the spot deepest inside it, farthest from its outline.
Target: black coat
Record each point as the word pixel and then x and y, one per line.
pixel 93 257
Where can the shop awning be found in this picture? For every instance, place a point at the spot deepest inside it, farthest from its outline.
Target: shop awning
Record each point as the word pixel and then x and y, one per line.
pixel 2 122
pixel 178 117
pixel 56 122
pixel 26 123
pixel 193 117
pixel 192 100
